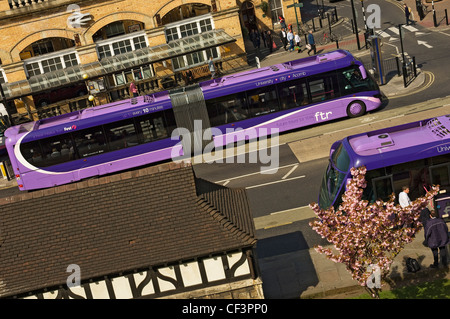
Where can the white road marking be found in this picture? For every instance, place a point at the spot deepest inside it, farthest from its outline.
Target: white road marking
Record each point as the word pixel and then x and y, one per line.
pixel 290 172
pixel 275 182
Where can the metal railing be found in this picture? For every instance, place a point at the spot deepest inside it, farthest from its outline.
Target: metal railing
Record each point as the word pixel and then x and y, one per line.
pixel 409 71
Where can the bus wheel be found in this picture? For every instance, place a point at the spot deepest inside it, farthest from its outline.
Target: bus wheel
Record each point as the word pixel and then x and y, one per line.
pixel 356 108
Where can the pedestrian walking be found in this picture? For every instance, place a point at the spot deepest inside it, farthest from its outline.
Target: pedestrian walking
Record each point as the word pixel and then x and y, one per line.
pixel 270 41
pixel 407 14
pixel 283 36
pixel 290 39
pixel 256 39
pixel 282 22
pixel 298 42
pixel 403 197
pixel 311 42
pixel 436 238
pixel 212 69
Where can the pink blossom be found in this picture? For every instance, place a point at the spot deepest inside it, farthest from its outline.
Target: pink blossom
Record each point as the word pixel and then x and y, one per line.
pixel 364 233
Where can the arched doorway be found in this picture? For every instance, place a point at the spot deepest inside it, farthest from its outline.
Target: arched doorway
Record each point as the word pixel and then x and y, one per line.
pixel 248 15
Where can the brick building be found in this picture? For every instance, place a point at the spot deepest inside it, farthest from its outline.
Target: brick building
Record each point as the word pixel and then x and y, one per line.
pixel 157 232
pixel 56 53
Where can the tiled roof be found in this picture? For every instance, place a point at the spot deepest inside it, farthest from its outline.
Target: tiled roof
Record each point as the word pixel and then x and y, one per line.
pixel 128 221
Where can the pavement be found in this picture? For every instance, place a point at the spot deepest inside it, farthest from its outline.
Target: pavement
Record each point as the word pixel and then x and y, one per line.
pixel 307 274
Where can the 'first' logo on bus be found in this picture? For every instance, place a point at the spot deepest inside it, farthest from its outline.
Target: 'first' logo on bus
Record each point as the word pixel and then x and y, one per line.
pixel 70 128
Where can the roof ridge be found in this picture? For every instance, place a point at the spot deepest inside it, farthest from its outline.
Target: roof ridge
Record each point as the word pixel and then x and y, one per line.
pixel 225 222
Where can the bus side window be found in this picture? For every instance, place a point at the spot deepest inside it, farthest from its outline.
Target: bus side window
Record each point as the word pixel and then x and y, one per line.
pixel 121 134
pixel 55 151
pixel 90 142
pixel 293 94
pixel 440 175
pixel 263 101
pixel 153 127
pixel 323 87
pixel 382 187
pixel 227 109
pixel 32 152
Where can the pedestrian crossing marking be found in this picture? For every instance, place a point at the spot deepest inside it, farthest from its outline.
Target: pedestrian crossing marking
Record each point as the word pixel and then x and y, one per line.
pixel 383 34
pixel 410 28
pixel 394 30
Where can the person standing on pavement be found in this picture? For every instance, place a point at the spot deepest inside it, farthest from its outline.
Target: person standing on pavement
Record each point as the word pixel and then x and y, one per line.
pixel 298 41
pixel 290 38
pixel 283 36
pixel 282 22
pixel 436 238
pixel 403 198
pixel 311 42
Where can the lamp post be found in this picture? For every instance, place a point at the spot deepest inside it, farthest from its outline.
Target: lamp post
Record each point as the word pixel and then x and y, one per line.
pixel 356 25
pixel 401 41
pixel 295 6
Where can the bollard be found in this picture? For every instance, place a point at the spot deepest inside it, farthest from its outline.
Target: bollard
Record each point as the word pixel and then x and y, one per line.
pixel 414 66
pixel 446 17
pixel 404 74
pixel 337 43
pixel 397 61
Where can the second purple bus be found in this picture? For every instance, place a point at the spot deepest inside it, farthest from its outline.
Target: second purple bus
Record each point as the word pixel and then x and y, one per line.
pixel 415 155
pixel 126 134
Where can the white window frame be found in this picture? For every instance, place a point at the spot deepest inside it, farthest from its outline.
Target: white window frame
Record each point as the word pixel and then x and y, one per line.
pixel 177 25
pixel 141 68
pixel 54 55
pixel 111 41
pixel 273 9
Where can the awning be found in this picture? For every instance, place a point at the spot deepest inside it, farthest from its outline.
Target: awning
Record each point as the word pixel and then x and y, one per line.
pixel 117 63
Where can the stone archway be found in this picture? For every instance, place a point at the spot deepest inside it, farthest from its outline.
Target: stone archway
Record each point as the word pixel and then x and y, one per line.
pixel 248 15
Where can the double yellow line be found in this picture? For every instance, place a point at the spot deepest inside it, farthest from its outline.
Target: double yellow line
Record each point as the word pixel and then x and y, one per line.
pixel 429 80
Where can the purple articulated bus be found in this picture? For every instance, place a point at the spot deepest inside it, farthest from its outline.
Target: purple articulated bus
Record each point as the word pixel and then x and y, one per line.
pixel 122 135
pixel 416 155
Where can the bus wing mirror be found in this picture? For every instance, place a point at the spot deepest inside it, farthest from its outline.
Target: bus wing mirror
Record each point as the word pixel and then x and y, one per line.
pixel 363 72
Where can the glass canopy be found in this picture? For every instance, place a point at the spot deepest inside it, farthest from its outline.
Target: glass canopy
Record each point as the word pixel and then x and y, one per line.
pixel 117 63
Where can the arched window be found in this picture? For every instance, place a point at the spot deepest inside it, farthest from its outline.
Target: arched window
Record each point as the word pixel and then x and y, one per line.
pixel 185 21
pixel 248 15
pixel 49 55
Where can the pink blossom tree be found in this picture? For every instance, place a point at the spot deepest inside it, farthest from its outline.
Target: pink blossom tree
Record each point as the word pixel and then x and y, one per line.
pixel 365 235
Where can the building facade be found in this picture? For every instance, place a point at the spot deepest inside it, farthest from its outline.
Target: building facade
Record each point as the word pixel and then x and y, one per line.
pixel 59 56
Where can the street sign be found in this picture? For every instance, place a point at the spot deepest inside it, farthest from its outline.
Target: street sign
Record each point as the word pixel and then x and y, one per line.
pixel 296 5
